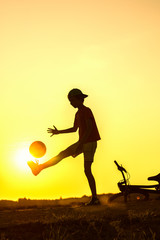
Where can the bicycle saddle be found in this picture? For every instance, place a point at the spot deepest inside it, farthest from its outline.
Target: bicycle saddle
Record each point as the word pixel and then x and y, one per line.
pixel 155 178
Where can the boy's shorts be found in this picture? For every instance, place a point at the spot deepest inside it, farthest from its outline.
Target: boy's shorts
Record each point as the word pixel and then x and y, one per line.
pixel 88 150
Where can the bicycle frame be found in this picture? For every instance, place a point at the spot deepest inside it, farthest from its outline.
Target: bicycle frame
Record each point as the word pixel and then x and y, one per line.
pixel 126 189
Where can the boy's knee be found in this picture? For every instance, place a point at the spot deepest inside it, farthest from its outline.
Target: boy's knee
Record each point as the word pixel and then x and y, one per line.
pixel 63 154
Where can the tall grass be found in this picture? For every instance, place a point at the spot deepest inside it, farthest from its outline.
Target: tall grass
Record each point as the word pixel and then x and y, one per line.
pixel 55 233
pixel 100 223
pixel 3 236
pixel 136 227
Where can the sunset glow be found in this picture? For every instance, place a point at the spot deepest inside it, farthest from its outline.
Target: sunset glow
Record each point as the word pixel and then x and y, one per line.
pixel 21 158
pixel 108 49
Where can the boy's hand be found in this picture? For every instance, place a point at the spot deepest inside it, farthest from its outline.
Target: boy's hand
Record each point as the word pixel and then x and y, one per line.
pixel 53 131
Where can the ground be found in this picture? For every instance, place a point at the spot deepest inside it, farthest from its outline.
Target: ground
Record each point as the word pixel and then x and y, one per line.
pixel 137 220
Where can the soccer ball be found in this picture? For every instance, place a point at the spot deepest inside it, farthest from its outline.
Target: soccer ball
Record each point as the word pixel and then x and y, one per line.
pixel 37 149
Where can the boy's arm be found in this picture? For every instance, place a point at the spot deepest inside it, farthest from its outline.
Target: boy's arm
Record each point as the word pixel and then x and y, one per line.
pixel 54 130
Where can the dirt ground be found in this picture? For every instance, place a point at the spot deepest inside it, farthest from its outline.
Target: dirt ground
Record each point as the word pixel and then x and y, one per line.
pixel 111 221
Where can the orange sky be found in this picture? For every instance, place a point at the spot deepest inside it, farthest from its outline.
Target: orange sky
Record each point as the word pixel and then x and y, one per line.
pixel 108 49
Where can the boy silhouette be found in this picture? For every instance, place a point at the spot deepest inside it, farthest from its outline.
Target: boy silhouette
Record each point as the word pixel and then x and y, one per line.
pixel 87 143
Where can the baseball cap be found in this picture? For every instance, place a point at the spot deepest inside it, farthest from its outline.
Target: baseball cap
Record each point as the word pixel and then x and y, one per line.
pixel 76 92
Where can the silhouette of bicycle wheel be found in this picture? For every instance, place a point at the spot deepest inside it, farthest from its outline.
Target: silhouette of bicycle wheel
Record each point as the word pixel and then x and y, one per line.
pixel 129 197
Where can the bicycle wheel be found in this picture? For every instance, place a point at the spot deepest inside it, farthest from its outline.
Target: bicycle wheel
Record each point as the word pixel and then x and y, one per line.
pixel 118 197
pixel 138 195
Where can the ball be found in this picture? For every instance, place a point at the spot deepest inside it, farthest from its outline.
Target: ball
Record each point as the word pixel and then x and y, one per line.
pixel 37 149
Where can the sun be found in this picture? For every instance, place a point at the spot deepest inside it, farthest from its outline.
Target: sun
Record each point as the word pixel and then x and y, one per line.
pixel 21 157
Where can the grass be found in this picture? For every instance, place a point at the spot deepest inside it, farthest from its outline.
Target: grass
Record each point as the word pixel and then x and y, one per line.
pixel 132 221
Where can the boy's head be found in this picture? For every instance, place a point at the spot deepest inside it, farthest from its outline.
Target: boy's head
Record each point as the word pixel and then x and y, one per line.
pixel 76 97
pixel 75 92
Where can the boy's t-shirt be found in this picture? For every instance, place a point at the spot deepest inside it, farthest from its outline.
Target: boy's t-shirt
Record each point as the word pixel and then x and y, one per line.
pixel 80 122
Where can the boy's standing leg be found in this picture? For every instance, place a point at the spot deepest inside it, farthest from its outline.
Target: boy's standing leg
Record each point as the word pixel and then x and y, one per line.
pixel 89 151
pixel 90 178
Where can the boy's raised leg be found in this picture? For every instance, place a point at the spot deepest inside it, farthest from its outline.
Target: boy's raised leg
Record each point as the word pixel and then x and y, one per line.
pixel 37 168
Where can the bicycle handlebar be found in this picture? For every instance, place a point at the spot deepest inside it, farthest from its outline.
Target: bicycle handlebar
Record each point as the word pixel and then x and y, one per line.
pixel 120 168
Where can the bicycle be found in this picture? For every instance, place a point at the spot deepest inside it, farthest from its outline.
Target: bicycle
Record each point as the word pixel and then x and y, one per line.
pixel 134 192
